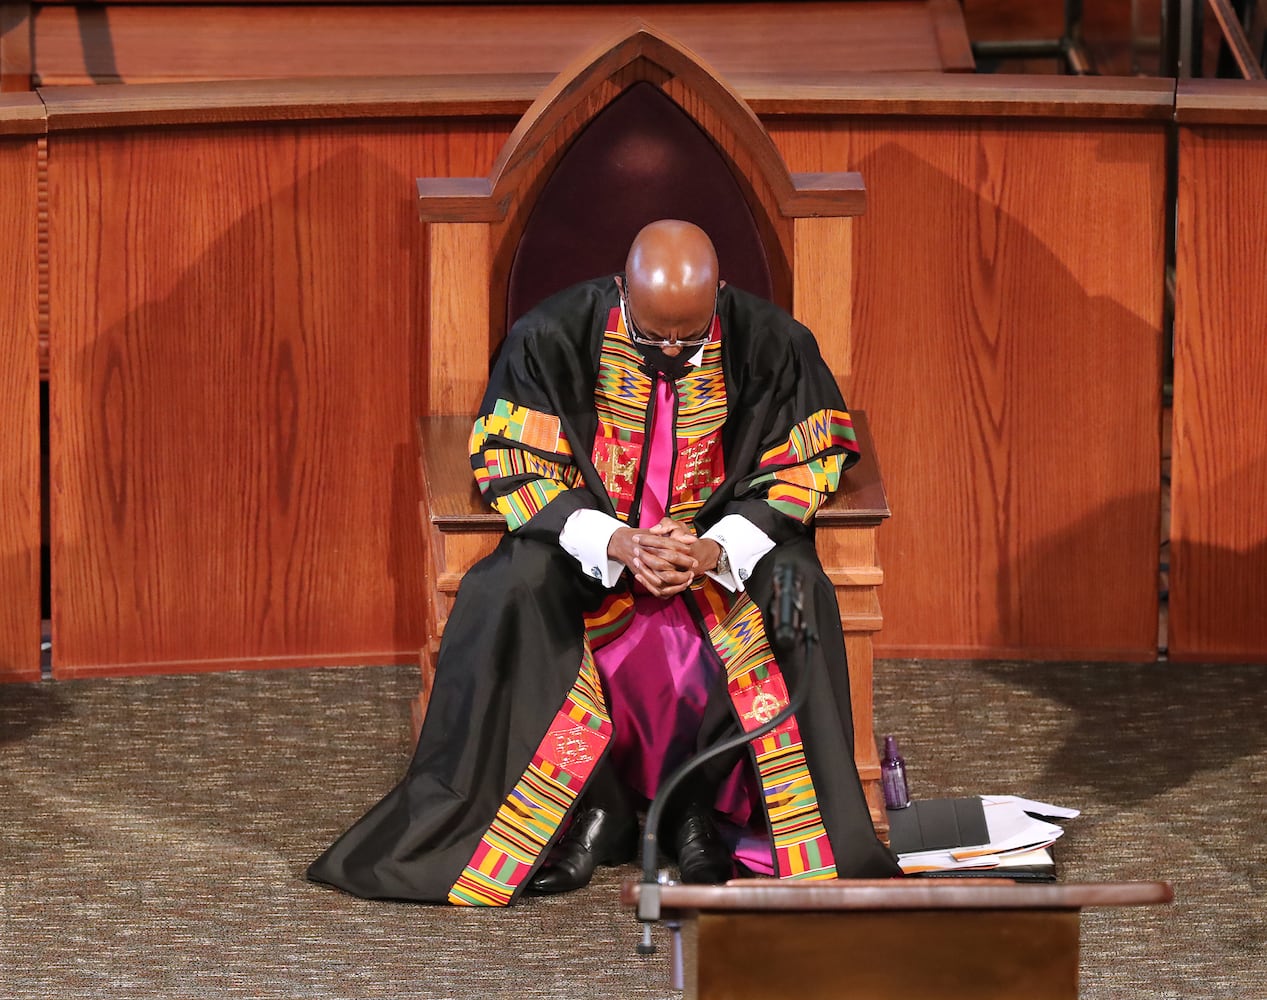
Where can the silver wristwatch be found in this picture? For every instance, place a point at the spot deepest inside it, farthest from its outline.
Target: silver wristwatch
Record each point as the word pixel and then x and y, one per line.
pixel 723 563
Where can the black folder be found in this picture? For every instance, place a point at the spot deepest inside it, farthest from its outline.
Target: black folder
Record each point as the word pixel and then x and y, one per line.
pixel 938 825
pixel 947 824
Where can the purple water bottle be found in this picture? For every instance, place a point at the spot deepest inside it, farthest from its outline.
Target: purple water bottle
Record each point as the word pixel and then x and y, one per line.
pixel 893 776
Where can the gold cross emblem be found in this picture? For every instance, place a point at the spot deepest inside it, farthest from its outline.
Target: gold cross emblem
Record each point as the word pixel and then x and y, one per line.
pixel 613 469
pixel 695 472
pixel 764 708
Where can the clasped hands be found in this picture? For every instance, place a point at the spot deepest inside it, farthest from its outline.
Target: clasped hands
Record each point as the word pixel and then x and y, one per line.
pixel 664 558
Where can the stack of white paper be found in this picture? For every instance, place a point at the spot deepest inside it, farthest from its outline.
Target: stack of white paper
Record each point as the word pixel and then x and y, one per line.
pixel 1017 839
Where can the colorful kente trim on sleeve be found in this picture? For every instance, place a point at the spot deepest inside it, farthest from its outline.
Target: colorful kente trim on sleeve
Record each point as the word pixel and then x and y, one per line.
pixel 519 507
pixel 531 815
pixel 813 436
pixel 759 693
pixel 521 461
pixel 530 428
pixel 803 477
pixel 801 500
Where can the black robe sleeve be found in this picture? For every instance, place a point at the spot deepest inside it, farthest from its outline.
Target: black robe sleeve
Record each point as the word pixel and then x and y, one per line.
pixel 534 420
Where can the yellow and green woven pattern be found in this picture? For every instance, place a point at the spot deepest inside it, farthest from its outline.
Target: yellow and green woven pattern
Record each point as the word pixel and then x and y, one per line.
pixel 520 425
pixel 799 491
pixel 701 407
pixel 611 618
pixel 797 475
pixel 621 398
pixel 813 436
pixel 531 815
pixel 527 448
pixel 623 390
pixel 526 502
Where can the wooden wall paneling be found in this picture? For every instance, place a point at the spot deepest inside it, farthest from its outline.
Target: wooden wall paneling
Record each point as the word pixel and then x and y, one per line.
pixel 238 351
pixel 15 46
pixel 458 319
pixel 1007 345
pixel 112 42
pixel 20 123
pixel 1218 573
pixel 824 272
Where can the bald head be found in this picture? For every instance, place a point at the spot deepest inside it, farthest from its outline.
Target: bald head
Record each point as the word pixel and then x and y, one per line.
pixel 671 272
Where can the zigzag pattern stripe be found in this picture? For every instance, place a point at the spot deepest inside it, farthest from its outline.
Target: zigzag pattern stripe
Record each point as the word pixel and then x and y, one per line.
pixel 812 436
pixel 702 396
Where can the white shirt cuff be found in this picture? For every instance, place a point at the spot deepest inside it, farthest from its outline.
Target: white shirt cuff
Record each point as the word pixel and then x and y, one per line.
pixel 744 544
pixel 585 536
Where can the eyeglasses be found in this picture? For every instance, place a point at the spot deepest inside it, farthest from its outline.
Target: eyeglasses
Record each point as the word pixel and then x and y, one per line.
pixel 638 337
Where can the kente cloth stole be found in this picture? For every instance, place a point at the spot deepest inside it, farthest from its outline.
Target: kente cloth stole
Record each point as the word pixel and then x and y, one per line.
pixel 758 691
pixel 528 820
pixel 575 741
pixel 621 401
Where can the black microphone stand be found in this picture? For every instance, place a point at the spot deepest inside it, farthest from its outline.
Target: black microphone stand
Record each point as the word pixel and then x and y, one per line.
pixel 648 911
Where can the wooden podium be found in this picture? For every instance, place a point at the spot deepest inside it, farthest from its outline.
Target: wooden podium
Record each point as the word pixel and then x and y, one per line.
pixel 916 939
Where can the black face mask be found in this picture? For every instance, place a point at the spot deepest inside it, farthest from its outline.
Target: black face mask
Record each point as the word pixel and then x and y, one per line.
pixel 671 368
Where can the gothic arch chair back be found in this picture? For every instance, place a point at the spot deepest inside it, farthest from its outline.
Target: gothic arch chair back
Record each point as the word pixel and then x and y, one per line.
pixel 640 159
pixel 610 146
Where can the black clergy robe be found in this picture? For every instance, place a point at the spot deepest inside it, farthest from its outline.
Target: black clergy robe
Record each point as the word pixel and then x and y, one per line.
pixel 518 720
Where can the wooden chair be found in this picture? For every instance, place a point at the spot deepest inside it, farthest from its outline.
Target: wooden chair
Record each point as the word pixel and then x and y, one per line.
pixel 638 129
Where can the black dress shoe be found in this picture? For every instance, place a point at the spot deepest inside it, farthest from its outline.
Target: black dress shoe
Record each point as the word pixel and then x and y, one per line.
pixel 596 837
pixel 702 855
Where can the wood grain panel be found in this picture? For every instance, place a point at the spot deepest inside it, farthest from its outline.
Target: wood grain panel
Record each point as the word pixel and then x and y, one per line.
pixel 1007 345
pixel 926 96
pixel 1218 579
pixel 823 276
pixel 125 43
pixel 967 955
pixel 15 46
pixel 458 345
pixel 238 350
pixel 19 412
pixel 22 114
pixel 879 895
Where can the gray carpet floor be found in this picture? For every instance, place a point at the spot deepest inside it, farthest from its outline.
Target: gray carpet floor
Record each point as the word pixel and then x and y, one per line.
pixel 154 833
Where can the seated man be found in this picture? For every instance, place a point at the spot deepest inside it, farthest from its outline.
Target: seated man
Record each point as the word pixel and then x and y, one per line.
pixel 657 441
